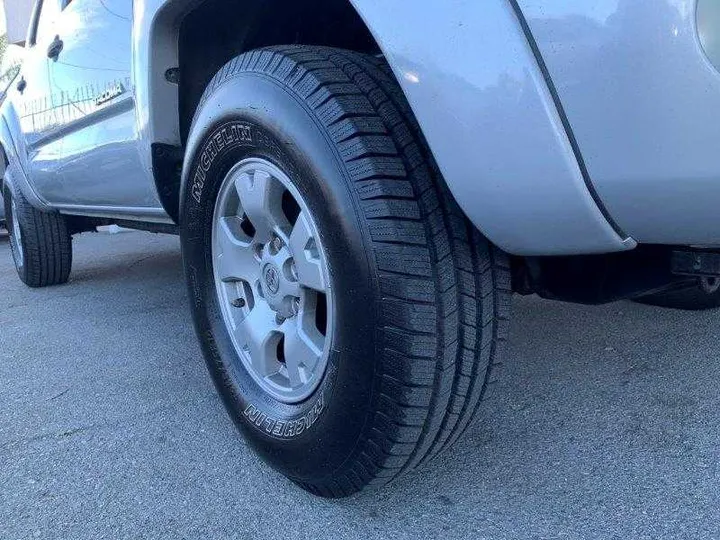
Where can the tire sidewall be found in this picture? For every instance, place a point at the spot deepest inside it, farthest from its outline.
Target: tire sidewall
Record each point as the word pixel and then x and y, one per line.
pixel 10 216
pixel 315 437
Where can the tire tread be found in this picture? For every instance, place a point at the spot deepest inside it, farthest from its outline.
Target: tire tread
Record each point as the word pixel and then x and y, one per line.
pixel 47 244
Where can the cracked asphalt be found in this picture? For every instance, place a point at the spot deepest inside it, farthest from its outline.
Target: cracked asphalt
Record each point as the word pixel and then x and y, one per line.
pixel 605 424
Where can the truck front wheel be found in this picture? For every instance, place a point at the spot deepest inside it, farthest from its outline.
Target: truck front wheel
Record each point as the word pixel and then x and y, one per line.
pixel 351 317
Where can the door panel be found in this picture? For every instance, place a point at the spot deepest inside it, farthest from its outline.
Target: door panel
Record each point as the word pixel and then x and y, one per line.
pixel 92 149
pixel 33 101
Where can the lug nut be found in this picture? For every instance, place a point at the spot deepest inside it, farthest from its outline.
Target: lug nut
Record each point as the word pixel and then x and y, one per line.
pixel 238 302
pixel 279 319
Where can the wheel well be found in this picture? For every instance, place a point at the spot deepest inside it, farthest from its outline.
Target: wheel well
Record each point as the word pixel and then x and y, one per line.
pixel 601 278
pixel 216 31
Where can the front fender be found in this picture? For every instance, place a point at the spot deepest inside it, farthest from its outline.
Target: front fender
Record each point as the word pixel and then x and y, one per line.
pixel 13 174
pixel 484 105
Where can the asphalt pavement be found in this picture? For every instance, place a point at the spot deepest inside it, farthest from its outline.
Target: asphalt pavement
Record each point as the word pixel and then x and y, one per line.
pixel 605 424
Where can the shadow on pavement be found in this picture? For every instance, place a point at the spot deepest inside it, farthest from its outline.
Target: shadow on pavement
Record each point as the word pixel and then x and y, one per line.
pixel 605 423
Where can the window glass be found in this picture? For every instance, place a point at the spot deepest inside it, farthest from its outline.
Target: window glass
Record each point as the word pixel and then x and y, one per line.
pixel 49 12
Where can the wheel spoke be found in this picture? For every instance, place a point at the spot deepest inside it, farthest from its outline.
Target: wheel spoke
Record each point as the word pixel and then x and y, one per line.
pixel 236 259
pixel 305 252
pixel 258 336
pixel 260 197
pixel 302 351
pixel 271 279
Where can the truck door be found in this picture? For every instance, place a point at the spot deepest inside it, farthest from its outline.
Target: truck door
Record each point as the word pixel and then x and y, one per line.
pixel 33 112
pixel 96 158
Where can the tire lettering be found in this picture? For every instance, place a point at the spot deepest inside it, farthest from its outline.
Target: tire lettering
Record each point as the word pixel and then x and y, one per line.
pixel 281 428
pixel 236 133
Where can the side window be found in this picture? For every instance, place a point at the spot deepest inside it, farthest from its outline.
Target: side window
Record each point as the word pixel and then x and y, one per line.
pixel 49 12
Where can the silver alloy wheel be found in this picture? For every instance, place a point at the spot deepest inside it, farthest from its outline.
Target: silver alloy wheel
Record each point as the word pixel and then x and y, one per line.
pixel 272 280
pixel 16 237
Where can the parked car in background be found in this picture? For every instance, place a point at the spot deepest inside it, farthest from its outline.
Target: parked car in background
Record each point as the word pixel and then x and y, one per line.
pixel 360 186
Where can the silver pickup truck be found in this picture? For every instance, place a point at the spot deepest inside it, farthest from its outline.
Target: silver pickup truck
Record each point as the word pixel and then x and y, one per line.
pixel 361 185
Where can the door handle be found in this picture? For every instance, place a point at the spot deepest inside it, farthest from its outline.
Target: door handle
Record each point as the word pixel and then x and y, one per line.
pixel 21 84
pixel 55 47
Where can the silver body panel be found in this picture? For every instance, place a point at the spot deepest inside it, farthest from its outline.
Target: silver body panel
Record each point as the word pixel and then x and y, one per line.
pixel 488 115
pixel 74 126
pixel 644 103
pixel 525 155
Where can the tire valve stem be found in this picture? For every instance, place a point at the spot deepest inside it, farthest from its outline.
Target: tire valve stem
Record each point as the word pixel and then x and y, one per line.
pixel 238 302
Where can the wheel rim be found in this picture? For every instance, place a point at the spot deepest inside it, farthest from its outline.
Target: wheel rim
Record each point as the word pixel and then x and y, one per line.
pixel 272 280
pixel 16 235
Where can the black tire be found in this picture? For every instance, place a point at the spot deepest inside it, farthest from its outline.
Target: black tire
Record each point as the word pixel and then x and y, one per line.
pixel 43 253
pixel 422 299
pixel 695 296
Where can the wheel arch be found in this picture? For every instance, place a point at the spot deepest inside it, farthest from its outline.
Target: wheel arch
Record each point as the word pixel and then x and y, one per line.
pixel 13 174
pixel 330 23
pixel 5 141
pixel 179 37
pixel 470 76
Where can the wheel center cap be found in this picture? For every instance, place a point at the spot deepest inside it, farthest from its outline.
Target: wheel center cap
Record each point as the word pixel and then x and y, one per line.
pixel 271 275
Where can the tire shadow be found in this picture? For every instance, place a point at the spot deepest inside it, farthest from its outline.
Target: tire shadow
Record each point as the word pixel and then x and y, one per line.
pixel 596 408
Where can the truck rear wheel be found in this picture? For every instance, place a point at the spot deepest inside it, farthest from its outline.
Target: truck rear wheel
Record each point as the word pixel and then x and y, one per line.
pixel 40 242
pixel 351 317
